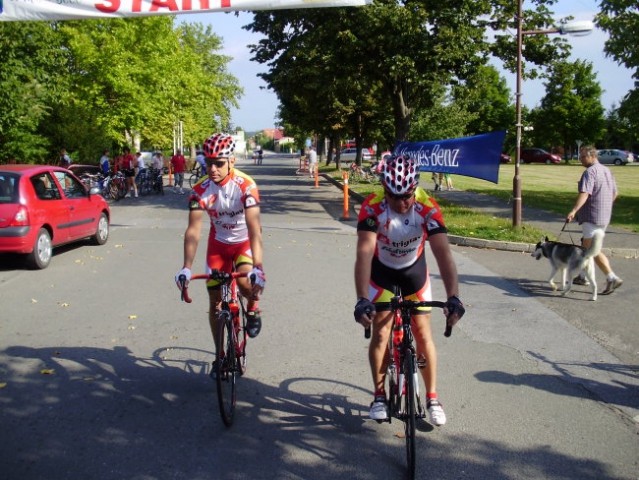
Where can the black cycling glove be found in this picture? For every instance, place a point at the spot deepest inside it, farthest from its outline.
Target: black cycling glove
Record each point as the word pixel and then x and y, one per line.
pixel 364 307
pixel 455 305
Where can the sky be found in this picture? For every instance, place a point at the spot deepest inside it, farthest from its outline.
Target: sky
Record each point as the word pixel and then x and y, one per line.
pixel 258 106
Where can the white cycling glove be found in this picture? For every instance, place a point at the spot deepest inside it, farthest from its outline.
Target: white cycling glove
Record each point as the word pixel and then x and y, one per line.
pixel 257 277
pixel 186 272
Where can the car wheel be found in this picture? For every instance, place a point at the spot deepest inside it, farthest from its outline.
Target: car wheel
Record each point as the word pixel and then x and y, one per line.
pixel 617 161
pixel 102 233
pixel 40 257
pixel 547 161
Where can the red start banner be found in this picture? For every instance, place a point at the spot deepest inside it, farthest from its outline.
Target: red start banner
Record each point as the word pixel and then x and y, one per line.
pixel 21 10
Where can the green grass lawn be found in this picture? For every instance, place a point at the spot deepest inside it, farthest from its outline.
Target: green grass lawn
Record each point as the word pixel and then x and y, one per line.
pixel 554 188
pixel 547 187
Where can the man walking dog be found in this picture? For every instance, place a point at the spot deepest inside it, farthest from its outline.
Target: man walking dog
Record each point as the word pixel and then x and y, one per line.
pixel 593 210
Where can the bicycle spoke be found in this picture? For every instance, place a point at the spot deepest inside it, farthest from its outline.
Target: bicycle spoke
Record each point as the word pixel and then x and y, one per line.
pixel 227 368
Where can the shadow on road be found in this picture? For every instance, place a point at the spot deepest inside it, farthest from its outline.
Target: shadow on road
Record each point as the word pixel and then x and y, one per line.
pixel 105 413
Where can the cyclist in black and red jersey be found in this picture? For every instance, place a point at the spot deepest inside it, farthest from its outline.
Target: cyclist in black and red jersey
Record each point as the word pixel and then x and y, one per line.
pixel 232 202
pixel 392 230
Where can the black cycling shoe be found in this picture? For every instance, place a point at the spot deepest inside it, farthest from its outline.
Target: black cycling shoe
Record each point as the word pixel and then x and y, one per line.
pixel 253 323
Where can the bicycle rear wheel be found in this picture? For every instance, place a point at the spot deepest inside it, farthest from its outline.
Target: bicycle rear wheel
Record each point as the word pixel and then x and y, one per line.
pixel 227 367
pixel 410 419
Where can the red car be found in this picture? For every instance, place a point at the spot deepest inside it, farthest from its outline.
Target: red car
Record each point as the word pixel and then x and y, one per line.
pixel 42 206
pixel 538 155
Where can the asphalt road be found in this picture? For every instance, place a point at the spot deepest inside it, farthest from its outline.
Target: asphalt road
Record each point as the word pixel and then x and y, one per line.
pixel 104 373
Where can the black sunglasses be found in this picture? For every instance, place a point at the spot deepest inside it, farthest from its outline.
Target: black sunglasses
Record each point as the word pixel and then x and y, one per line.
pixel 404 196
pixel 217 163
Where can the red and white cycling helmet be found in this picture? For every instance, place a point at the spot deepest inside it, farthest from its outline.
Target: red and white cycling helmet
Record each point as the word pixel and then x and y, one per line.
pixel 400 174
pixel 219 145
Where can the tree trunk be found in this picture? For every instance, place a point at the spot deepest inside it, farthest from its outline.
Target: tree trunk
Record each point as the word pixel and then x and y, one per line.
pixel 401 110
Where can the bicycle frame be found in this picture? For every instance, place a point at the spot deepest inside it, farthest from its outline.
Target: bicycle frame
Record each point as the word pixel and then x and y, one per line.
pixel 230 339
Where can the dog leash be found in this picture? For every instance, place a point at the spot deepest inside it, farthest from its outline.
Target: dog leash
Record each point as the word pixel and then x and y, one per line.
pixel 562 231
pixel 569 235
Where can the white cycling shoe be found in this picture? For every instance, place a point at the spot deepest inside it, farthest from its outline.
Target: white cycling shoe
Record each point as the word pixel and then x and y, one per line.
pixel 436 413
pixel 379 410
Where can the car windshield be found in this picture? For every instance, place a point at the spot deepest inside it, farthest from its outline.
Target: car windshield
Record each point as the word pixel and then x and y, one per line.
pixel 9 192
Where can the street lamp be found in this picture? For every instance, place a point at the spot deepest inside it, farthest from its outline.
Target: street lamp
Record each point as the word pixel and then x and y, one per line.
pixel 576 28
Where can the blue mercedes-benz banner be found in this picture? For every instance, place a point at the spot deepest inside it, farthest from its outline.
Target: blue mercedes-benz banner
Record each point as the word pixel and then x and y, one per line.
pixel 476 156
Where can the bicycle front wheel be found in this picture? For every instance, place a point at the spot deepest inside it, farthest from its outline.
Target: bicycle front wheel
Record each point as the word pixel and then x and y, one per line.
pixel 193 179
pixel 410 420
pixel 227 367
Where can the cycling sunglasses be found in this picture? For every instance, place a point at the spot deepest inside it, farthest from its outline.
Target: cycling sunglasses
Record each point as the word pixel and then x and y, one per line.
pixel 217 163
pixel 404 196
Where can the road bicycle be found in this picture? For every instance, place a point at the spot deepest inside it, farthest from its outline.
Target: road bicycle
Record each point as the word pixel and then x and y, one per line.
pixel 359 174
pixel 230 344
pixel 402 376
pixel 196 174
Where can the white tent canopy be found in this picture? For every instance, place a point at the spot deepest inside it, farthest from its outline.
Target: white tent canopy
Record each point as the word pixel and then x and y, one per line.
pixel 21 10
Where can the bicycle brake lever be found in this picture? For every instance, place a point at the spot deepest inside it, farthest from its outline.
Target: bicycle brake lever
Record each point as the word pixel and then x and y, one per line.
pixel 449 331
pixel 184 294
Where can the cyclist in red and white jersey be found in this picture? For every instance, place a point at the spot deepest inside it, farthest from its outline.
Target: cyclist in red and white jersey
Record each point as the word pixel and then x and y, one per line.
pixel 232 202
pixel 392 230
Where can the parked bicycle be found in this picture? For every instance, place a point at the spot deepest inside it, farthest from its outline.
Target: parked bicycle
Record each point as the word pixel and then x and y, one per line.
pixel 114 186
pixel 402 375
pixel 149 181
pixel 359 174
pixel 230 344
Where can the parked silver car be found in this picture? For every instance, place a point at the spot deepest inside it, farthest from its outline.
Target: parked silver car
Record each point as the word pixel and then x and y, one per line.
pixel 348 155
pixel 614 157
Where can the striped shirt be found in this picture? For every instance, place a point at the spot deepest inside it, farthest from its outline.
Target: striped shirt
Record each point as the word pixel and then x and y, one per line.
pixel 599 183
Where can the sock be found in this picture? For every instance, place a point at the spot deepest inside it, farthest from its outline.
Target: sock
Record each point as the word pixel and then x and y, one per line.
pixel 252 306
pixel 431 396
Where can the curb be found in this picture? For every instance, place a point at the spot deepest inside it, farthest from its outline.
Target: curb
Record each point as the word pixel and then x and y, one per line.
pixel 628 253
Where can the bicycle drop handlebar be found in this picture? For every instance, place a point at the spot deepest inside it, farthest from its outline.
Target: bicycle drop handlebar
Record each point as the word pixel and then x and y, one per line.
pixel 224 277
pixel 410 304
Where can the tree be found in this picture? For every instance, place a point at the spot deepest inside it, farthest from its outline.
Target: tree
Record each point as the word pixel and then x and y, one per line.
pixel 571 109
pixel 31 59
pixel 136 78
pixel 620 19
pixel 397 51
pixel 445 119
pixel 486 94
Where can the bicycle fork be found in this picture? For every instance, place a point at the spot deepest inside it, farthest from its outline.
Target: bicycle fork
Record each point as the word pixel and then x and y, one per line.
pixel 420 411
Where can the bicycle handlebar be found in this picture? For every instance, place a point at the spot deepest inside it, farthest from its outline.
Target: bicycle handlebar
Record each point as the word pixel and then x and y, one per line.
pixel 224 277
pixel 409 304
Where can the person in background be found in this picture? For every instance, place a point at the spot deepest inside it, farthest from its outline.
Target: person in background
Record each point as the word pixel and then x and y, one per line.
pixel 312 161
pixel 157 162
pixel 201 161
pixel 128 164
pixel 140 167
pixel 105 165
pixel 593 210
pixel 449 181
pixel 179 167
pixel 65 159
